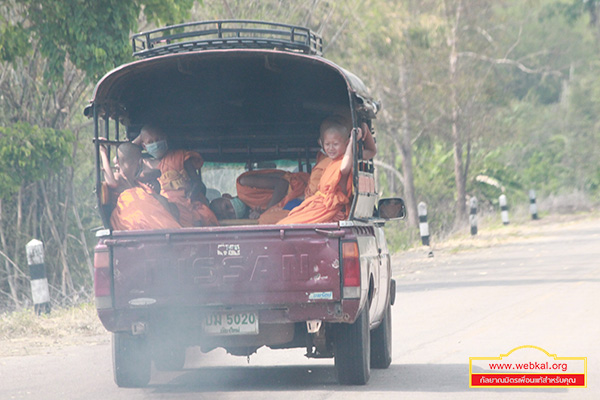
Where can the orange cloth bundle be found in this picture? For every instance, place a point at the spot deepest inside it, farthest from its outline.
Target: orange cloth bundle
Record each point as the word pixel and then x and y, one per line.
pixel 259 198
pixel 137 208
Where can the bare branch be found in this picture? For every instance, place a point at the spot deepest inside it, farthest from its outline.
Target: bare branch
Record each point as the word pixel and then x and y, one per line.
pixel 226 5
pixel 11 262
pixel 507 61
pixel 516 43
pixel 390 168
pixel 485 34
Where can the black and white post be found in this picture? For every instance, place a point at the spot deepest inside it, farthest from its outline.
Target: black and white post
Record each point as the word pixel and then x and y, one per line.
pixel 532 205
pixel 503 209
pixel 473 215
pixel 37 272
pixel 423 225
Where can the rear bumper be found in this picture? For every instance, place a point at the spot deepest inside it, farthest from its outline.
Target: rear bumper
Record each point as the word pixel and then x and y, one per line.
pixel 190 318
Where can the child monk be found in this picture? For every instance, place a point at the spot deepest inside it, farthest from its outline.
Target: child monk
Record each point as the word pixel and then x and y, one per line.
pixel 258 191
pixel 138 206
pixel 331 200
pixel 179 180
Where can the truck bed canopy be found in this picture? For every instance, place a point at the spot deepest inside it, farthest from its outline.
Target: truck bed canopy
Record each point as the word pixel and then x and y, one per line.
pixel 232 104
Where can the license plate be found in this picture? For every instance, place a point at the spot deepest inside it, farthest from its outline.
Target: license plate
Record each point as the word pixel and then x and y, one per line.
pixel 231 323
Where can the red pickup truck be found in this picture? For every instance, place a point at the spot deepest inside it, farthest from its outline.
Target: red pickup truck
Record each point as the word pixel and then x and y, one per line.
pixel 243 94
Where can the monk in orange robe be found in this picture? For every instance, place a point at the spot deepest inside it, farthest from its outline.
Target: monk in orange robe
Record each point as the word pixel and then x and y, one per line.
pixel 330 203
pixel 138 206
pixel 180 182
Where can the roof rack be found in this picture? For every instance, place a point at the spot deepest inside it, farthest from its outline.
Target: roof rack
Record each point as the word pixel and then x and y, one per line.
pixel 226 34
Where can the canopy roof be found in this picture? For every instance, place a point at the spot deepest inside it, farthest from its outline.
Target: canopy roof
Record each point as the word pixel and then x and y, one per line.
pixel 242 98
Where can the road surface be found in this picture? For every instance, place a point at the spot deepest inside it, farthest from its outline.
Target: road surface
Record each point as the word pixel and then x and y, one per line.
pixel 541 288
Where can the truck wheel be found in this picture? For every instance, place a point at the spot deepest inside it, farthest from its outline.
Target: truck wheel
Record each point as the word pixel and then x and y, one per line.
pixel 169 358
pixel 381 342
pixel 131 360
pixel 352 351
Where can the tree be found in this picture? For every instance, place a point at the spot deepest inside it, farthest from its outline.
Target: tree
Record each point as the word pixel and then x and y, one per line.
pixel 27 154
pixel 93 34
pixel 383 58
pixel 50 52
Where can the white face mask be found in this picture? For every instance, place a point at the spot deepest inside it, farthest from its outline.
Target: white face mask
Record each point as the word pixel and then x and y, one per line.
pixel 157 149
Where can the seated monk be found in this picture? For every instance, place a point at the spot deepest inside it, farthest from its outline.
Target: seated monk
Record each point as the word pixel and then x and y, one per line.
pixel 114 181
pixel 330 203
pixel 138 206
pixel 323 160
pixel 259 191
pixel 180 180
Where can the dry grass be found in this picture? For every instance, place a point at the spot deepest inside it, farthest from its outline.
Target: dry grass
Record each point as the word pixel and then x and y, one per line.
pixel 22 332
pixel 491 232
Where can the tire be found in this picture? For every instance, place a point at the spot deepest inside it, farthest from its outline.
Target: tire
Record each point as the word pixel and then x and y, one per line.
pixel 169 358
pixel 381 342
pixel 352 351
pixel 131 360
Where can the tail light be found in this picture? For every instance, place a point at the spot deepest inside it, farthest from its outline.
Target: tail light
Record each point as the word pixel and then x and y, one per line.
pixel 351 270
pixel 102 278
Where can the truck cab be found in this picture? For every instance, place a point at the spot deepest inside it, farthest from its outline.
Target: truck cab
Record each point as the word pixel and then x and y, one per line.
pixel 245 95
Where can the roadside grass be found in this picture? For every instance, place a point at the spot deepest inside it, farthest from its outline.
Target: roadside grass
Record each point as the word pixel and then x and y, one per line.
pixel 23 332
pixel 491 231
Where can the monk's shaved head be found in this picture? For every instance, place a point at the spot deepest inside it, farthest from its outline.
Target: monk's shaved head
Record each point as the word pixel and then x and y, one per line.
pixel 150 133
pixel 335 124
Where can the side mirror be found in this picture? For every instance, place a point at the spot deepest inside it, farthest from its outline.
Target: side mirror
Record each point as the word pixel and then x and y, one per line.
pixel 391 208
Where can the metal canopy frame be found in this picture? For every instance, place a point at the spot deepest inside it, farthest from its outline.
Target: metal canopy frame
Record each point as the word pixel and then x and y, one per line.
pixel 226 34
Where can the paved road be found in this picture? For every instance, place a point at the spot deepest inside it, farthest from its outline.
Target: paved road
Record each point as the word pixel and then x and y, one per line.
pixel 541 289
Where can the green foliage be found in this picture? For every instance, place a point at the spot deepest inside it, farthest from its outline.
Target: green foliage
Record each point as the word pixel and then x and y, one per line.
pixel 167 12
pixel 492 176
pixel 93 34
pixel 434 183
pixel 13 41
pixel 28 153
pixel 573 10
pixel 399 236
pixel 546 37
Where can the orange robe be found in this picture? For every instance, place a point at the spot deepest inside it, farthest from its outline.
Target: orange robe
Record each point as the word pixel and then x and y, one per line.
pixel 273 215
pixel 328 204
pixel 174 182
pixel 315 176
pixel 259 198
pixel 137 209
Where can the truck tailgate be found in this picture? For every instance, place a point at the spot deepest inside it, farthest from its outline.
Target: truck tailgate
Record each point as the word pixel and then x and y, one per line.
pixel 227 266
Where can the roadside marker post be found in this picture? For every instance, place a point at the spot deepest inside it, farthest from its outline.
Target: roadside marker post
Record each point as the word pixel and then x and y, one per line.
pixel 37 272
pixel 503 209
pixel 423 225
pixel 532 205
pixel 473 215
